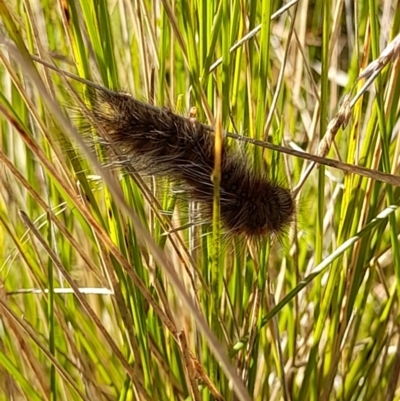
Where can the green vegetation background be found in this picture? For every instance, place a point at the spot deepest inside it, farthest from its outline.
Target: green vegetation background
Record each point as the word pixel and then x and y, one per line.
pixel 100 299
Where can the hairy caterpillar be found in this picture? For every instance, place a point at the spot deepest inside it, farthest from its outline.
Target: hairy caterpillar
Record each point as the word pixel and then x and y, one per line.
pixel 158 142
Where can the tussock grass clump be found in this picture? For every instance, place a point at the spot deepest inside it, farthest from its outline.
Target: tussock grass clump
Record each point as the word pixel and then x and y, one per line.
pixel 113 288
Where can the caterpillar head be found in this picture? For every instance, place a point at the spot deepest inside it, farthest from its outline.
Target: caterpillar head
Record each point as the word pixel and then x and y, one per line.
pixel 258 208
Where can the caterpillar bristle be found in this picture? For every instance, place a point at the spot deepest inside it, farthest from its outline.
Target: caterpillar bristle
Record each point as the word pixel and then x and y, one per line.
pixel 158 142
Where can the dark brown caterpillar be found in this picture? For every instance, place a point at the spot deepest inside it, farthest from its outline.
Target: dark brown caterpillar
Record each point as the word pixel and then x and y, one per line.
pixel 158 142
